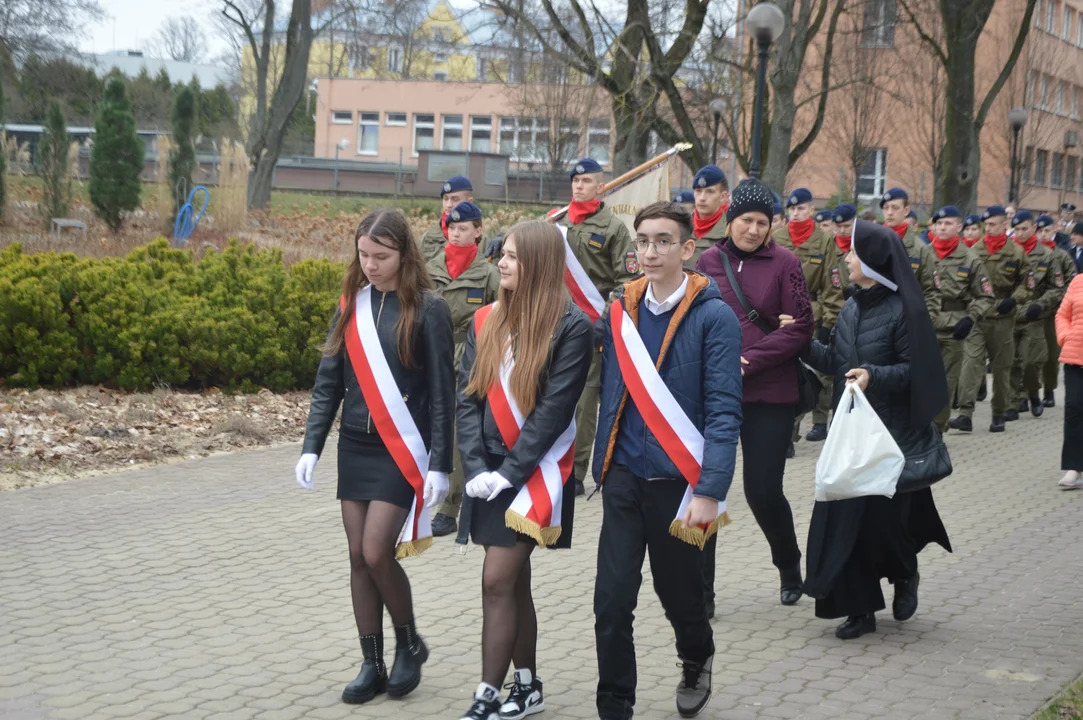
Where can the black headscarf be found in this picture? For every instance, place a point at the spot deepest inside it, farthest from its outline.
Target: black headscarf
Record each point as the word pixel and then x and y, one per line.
pixel 884 259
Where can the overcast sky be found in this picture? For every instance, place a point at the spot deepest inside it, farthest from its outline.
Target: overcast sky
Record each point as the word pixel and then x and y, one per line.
pixel 135 21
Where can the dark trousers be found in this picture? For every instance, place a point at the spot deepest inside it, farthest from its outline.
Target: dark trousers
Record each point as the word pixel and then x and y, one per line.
pixel 1071 455
pixel 635 521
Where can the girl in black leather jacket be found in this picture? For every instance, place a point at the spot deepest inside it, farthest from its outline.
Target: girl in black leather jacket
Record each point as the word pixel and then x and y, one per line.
pixel 515 485
pixel 389 362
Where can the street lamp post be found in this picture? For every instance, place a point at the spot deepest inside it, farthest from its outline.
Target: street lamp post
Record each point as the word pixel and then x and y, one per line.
pixel 1017 118
pixel 1071 139
pixel 765 22
pixel 716 107
pixel 340 145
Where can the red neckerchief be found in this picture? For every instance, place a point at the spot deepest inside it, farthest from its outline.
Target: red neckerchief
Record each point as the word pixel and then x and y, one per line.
pixel 580 211
pixel 843 241
pixel 1051 244
pixel 900 230
pixel 459 257
pixel 801 231
pixel 1029 244
pixel 944 247
pixel 443 225
pixel 701 227
pixel 971 243
pixel 993 243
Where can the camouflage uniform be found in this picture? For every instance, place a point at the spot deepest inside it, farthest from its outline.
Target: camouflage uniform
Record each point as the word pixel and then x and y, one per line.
pixel 1047 283
pixel 710 238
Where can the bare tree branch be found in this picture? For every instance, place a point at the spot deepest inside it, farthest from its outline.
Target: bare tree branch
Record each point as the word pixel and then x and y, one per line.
pixel 1009 65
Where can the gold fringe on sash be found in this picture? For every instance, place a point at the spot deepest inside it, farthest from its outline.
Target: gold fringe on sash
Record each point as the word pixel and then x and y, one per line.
pixel 695 536
pixel 412 548
pixel 543 536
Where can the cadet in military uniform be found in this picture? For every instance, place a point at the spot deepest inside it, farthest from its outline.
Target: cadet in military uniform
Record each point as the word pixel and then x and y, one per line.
pixel 966 296
pixel 1064 265
pixel 778 217
pixel 462 276
pixel 972 230
pixel 1008 268
pixel 687 200
pixel 1046 281
pixel 898 216
pixel 604 248
pixel 456 190
pixel 825 221
pixel 815 250
pixel 712 198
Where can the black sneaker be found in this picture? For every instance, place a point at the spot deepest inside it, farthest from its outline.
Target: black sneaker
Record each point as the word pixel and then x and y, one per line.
pixel 443 525
pixel 818 433
pixel 694 690
pixel 525 697
pixel 486 704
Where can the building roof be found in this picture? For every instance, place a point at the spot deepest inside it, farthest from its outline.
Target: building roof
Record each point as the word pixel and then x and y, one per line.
pixel 131 63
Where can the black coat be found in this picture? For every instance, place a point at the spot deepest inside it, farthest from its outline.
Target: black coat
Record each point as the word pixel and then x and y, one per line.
pixel 428 388
pixel 562 383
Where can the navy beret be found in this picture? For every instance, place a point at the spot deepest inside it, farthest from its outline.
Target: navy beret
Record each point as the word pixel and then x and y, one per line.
pixel 708 175
pixel 948 211
pixel 894 194
pixel 1021 217
pixel 994 211
pixel 777 209
pixel 464 212
pixel 911 214
pixel 1045 221
pixel 585 166
pixel 844 213
pixel 458 183
pixel 684 196
pixel 825 215
pixel 800 196
pixel 972 220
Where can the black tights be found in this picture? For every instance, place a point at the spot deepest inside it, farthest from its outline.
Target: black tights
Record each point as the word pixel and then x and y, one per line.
pixel 509 628
pixel 376 578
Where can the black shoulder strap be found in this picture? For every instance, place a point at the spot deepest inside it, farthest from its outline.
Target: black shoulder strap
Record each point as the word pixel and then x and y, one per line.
pixel 753 316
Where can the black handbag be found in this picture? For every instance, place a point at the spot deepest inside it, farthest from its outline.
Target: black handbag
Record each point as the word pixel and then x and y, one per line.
pixel 808 385
pixel 926 463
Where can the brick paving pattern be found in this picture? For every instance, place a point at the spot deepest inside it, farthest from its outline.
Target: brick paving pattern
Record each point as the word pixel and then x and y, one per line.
pixel 217 589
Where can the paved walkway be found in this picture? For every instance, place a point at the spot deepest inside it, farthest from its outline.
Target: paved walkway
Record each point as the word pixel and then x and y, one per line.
pixel 215 588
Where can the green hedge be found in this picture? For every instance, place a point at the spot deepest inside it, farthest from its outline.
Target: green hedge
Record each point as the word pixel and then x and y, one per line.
pixel 238 319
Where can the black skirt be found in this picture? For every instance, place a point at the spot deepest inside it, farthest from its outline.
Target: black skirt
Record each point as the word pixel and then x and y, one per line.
pixel 366 470
pixel 489 527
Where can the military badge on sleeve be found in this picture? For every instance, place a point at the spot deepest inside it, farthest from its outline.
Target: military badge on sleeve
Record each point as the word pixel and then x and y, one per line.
pixel 986 286
pixel 1058 278
pixel 630 263
pixel 836 278
pixel 936 279
pixel 1030 281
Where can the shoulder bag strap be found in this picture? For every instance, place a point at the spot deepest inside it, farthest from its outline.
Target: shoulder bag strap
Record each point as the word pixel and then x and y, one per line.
pixel 753 316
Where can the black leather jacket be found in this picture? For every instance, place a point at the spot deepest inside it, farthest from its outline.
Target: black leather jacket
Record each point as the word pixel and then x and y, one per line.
pixel 562 383
pixel 428 389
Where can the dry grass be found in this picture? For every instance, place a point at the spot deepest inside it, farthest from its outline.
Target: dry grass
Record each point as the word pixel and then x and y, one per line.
pixel 231 212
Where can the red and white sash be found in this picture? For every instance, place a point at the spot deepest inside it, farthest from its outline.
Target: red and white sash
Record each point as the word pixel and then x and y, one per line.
pixel 667 421
pixel 536 509
pixel 392 418
pixel 582 290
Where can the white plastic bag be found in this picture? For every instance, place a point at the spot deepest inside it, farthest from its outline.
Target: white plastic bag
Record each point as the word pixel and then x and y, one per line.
pixel 860 457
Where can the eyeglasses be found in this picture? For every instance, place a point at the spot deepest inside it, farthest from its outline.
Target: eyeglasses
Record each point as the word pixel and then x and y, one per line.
pixel 660 246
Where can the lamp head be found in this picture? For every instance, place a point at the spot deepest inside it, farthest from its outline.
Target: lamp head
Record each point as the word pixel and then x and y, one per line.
pixel 717 107
pixel 766 22
pixel 1017 118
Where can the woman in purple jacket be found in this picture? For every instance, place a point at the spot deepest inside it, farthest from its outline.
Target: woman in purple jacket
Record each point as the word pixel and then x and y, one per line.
pixel 773 285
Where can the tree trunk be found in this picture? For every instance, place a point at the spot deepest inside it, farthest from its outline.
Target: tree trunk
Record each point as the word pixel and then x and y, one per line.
pixel 957 171
pixel 265 138
pixel 632 138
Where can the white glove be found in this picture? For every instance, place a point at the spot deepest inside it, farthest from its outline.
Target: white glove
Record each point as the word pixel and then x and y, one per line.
pixel 496 485
pixel 436 488
pixel 478 487
pixel 304 469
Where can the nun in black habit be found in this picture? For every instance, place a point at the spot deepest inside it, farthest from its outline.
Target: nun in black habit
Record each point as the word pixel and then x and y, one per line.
pixel 884 341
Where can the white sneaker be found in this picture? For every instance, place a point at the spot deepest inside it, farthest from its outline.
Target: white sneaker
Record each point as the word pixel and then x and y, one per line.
pixel 1072 480
pixel 525 697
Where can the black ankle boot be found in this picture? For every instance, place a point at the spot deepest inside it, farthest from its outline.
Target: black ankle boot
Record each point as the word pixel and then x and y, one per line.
pixel 905 603
pixel 372 680
pixel 856 626
pixel 791 585
pixel 410 655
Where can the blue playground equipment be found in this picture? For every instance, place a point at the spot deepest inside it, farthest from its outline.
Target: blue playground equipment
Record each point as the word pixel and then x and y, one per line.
pixel 187 219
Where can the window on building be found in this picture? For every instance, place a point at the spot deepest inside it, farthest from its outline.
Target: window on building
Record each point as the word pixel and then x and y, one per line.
pixel 394 58
pixel 424 132
pixel 878 29
pixel 440 56
pixel 439 35
pixel 368 133
pixel 1050 14
pixel 1038 14
pixel 1074 111
pixel 342 117
pixel 1056 175
pixel 1066 23
pixel 453 132
pixel 1041 159
pixel 483 69
pixel 1032 82
pixel 598 141
pixel 1043 99
pixel 1079 34
pixel 481 133
pixel 1071 171
pixel 1028 160
pixel 873 173
pixel 525 139
pixel 441 76
pixel 358 56
pixel 568 142
pixel 395 119
pixel 1061 106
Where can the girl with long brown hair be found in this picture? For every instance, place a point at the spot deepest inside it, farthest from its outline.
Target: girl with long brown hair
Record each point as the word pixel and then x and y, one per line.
pixel 523 369
pixel 388 361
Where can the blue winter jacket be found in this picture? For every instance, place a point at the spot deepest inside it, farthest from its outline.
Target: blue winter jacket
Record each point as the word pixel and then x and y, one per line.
pixel 700 363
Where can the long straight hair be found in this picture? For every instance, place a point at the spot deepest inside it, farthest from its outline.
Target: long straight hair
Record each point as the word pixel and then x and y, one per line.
pixel 388 228
pixel 524 320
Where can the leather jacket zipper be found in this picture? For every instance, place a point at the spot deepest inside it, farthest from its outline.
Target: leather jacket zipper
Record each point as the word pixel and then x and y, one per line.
pixel 379 314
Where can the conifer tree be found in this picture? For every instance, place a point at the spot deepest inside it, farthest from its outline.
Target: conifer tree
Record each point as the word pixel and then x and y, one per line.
pixel 116 160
